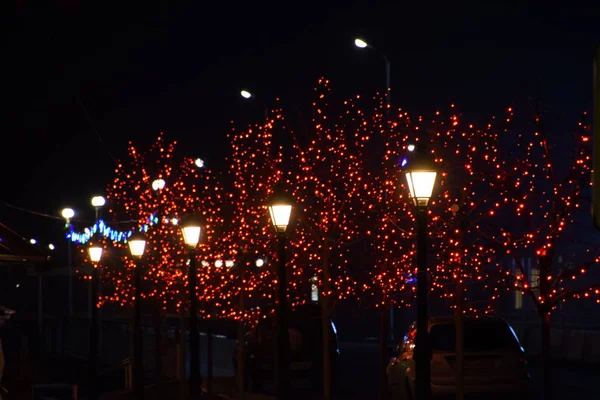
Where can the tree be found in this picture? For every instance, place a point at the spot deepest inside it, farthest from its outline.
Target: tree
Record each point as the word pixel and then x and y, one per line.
pixel 330 187
pixel 155 191
pixel 547 188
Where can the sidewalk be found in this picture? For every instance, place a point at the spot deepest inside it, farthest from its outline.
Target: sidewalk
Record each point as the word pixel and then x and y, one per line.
pixel 223 388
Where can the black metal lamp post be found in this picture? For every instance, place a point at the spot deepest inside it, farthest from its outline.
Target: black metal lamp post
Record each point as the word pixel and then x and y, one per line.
pixel 191 229
pixel 280 209
pixel 420 175
pixel 95 253
pixel 137 245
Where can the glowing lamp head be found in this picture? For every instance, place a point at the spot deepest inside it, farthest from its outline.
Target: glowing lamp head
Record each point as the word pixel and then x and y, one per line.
pixel 98 201
pixel 51 246
pixel 361 44
pixel 191 228
pixel 158 184
pixel 199 163
pixel 246 94
pixel 410 147
pixel 67 213
pixel 229 263
pixel 137 245
pixel 420 177
pixel 260 262
pixel 280 208
pixel 218 263
pixel 95 253
pixel 32 241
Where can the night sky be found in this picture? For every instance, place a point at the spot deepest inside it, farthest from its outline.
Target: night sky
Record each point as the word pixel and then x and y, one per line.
pixel 79 81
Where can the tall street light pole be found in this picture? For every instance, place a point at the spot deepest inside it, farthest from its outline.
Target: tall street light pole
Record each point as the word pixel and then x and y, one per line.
pixel 191 229
pixel 387 311
pixel 137 245
pixel 95 253
pixel 67 214
pixel 362 44
pixel 420 176
pixel 280 209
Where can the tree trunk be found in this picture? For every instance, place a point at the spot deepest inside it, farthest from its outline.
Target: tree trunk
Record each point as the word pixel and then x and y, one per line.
pixel 240 341
pixel 158 341
pixel 209 356
pixel 383 350
pixel 460 353
pixel 546 355
pixel 326 324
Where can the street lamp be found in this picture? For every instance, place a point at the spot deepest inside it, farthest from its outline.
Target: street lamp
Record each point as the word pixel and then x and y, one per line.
pixel 280 210
pixel 95 253
pixel 191 229
pixel 67 214
pixel 420 176
pixel 98 202
pixel 246 94
pixel 158 184
pixel 362 44
pixel 137 245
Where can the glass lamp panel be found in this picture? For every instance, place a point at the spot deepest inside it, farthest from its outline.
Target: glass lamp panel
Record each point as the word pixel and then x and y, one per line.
pixel 280 216
pixel 421 185
pixel 137 247
pixel 191 235
pixel 95 253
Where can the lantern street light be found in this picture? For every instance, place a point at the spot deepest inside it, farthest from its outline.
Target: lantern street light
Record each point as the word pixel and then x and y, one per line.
pixel 95 253
pixel 280 209
pixel 420 176
pixel 67 214
pixel 191 229
pixel 362 44
pixel 137 245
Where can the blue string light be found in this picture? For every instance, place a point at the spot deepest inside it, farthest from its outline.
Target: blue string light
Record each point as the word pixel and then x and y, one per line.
pixel 103 229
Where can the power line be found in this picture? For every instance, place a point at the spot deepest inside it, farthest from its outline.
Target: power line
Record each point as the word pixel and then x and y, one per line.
pixel 41 214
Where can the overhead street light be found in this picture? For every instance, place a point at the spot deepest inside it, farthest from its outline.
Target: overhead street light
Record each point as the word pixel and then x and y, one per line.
pixel 361 44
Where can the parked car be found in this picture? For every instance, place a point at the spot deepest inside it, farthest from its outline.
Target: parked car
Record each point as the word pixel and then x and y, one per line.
pixel 306 346
pixel 494 360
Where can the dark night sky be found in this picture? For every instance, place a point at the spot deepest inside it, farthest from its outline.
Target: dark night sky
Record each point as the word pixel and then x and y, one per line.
pixel 141 70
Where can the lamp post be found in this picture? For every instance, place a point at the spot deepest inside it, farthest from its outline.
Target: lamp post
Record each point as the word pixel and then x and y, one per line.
pixel 280 209
pixel 67 214
pixel 191 229
pixel 362 44
pixel 95 253
pixel 420 176
pixel 97 202
pixel 137 245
